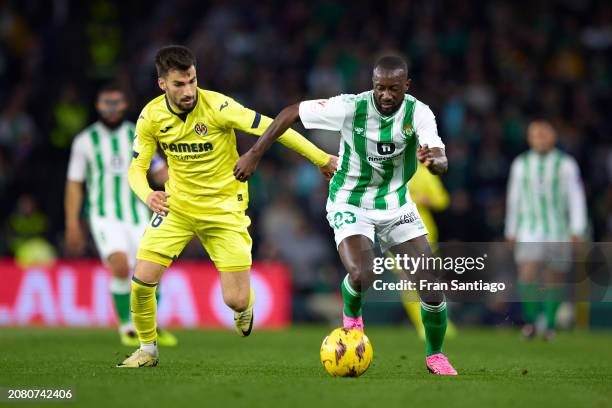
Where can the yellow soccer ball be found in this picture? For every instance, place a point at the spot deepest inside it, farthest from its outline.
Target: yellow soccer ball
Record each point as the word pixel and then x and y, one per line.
pixel 346 353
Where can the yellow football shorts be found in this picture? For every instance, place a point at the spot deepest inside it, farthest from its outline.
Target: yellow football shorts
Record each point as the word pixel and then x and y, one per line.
pixel 224 236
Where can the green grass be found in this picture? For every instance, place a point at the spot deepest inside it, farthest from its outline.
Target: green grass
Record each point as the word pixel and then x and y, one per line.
pixel 270 369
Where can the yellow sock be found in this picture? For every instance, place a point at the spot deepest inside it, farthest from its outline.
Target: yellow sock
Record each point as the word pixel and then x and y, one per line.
pixel 144 310
pixel 413 310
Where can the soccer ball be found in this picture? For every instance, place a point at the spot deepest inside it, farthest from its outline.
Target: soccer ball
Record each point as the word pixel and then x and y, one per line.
pixel 346 353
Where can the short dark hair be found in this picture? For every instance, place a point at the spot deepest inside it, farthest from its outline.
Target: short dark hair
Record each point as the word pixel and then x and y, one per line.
pixel 173 57
pixel 392 62
pixel 110 87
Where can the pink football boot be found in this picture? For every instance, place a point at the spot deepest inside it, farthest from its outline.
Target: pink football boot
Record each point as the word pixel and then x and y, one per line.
pixel 438 364
pixel 352 322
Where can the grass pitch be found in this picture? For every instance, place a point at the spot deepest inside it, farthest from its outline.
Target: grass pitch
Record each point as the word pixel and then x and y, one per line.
pixel 270 369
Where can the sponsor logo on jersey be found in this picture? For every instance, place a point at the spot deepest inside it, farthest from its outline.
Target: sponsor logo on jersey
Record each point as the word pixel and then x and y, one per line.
pixel 116 164
pixel 223 106
pixel 187 147
pixel 200 129
pixel 359 130
pixel 167 128
pixel 407 218
pixel 385 148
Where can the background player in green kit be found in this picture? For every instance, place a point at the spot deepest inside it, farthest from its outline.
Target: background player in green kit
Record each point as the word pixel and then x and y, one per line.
pixel 99 159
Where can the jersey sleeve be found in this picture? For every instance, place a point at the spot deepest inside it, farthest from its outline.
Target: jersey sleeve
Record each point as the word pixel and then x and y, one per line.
pixel 327 114
pixel 575 198
pixel 233 115
pixel 144 148
pixel 239 117
pixel 425 126
pixel 77 166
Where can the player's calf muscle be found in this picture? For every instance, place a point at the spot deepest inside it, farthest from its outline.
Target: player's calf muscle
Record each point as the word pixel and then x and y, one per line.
pixel 236 301
pixel 236 289
pixel 358 259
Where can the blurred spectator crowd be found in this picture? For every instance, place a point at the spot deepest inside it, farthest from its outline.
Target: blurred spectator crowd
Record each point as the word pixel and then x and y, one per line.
pixel 485 68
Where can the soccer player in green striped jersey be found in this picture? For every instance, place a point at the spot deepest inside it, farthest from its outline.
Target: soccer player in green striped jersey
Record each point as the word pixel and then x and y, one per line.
pixel 384 132
pixel 100 158
pixel 545 210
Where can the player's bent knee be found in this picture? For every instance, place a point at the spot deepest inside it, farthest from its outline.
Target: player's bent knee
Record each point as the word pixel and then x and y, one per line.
pixel 148 272
pixel 122 271
pixel 118 265
pixel 528 272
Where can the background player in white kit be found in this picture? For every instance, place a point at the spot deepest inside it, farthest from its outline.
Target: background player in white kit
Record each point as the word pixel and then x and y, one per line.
pixel 545 210
pixel 383 133
pixel 100 158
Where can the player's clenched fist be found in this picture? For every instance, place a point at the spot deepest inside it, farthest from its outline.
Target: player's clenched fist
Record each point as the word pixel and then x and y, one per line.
pixel 157 201
pixel 424 155
pixel 330 168
pixel 246 165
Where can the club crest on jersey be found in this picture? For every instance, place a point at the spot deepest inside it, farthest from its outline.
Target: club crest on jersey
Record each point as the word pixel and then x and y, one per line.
pixel 385 148
pixel 200 129
pixel 408 130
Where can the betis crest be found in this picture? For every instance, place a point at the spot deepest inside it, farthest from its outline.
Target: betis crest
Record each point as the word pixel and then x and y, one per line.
pixel 408 130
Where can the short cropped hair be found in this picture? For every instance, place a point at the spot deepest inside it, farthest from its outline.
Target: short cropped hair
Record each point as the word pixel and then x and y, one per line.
pixel 173 57
pixel 110 87
pixel 391 63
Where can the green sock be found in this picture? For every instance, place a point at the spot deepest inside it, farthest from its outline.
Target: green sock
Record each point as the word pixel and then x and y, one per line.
pixel 352 299
pixel 120 289
pixel 529 293
pixel 552 300
pixel 434 320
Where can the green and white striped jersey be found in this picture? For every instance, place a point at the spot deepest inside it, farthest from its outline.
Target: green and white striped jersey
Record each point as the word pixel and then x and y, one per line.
pixel 377 152
pixel 545 198
pixel 101 158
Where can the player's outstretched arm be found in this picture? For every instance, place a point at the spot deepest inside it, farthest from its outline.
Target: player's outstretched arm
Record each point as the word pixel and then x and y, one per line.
pixel 245 166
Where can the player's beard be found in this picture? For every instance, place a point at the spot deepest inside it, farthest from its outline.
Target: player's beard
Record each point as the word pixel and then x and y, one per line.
pixel 112 125
pixel 185 106
pixel 387 112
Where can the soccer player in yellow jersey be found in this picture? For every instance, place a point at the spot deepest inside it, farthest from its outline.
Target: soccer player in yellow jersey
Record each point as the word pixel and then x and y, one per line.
pixel 195 129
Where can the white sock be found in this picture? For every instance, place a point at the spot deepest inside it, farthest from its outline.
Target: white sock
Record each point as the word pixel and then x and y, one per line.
pixel 150 348
pixel 126 327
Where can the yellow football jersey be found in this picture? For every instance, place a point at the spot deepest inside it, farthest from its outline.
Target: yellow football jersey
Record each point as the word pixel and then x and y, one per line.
pixel 200 146
pixel 427 188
